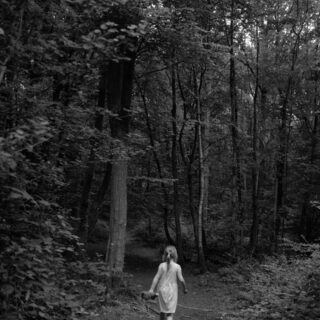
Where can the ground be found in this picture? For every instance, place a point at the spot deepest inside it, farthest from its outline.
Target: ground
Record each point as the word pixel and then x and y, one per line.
pixel 209 297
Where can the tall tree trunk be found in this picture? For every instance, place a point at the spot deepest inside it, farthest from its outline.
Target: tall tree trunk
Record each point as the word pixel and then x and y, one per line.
pixel 174 165
pixel 304 218
pixel 201 257
pixel 190 190
pixel 119 91
pixel 192 209
pixel 206 172
pixel 282 154
pixel 254 234
pixel 83 209
pixel 188 162
pixel 280 171
pixel 237 210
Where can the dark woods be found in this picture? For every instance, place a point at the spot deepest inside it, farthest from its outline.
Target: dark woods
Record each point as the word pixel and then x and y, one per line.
pixel 193 123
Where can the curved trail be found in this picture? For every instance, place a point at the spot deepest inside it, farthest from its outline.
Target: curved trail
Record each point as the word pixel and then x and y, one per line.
pixel 204 300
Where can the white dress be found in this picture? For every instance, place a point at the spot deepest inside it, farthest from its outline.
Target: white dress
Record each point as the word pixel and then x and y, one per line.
pixel 168 286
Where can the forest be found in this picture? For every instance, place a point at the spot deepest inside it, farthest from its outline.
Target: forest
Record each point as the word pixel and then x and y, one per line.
pixel 129 125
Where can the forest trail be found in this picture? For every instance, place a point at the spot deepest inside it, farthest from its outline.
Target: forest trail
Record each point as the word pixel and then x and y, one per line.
pixel 205 301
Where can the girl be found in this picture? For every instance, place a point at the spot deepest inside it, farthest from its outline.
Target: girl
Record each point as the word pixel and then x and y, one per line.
pixel 167 280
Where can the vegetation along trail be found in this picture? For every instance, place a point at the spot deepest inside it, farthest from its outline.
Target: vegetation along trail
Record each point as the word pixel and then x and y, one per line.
pixel 130 125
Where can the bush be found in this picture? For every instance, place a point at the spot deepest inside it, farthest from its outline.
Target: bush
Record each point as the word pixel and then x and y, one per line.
pixel 285 288
pixel 41 274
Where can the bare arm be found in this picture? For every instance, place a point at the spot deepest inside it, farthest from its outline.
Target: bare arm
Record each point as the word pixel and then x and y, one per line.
pixel 181 279
pixel 155 280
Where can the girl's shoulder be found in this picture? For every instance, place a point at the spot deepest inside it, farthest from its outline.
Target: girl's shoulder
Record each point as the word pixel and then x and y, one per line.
pixel 162 265
pixel 177 266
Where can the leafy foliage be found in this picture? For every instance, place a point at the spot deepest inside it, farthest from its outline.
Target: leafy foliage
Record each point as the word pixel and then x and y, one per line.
pixel 46 128
pixel 283 288
pixel 53 60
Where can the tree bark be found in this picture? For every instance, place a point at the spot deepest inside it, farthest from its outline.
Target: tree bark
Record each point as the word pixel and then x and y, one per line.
pixel 282 153
pixel 118 216
pixel 174 165
pixel 119 89
pixel 190 190
pixel 83 209
pixel 206 172
pixel 237 210
pixel 280 170
pixel 188 162
pixel 305 231
pixel 201 257
pixel 254 234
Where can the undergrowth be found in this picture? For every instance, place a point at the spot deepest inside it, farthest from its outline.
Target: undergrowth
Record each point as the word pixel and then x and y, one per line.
pixel 44 270
pixel 285 287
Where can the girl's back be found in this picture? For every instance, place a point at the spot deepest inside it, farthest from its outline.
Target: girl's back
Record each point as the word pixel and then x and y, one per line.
pixel 168 286
pixel 166 279
pixel 169 273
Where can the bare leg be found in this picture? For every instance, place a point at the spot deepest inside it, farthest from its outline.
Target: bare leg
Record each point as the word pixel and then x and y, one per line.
pixel 162 316
pixel 169 316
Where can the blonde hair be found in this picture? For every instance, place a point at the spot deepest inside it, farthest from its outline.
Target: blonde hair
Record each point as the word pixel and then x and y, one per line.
pixel 170 253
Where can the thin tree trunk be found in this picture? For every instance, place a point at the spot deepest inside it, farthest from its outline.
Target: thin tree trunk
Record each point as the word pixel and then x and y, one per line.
pixel 83 209
pixel 280 168
pixel 189 172
pixel 174 165
pixel 304 230
pixel 201 257
pixel 190 190
pixel 282 155
pixel 254 235
pixel 166 225
pixel 192 209
pixel 237 193
pixel 206 173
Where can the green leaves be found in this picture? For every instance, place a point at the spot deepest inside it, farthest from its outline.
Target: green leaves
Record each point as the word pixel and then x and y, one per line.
pixel 284 289
pixel 34 271
pixel 20 194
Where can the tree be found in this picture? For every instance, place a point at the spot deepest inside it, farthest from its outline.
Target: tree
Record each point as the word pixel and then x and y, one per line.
pixel 119 93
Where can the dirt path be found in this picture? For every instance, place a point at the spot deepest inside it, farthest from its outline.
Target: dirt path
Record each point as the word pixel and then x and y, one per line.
pixel 208 297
